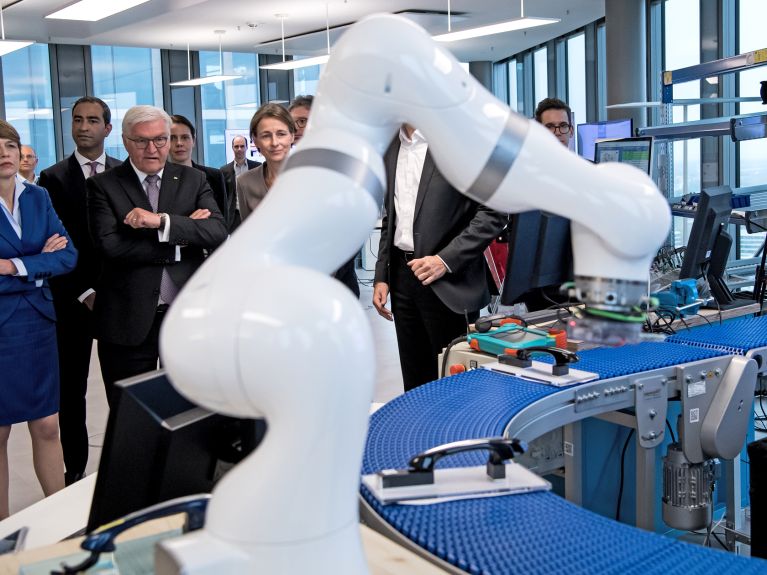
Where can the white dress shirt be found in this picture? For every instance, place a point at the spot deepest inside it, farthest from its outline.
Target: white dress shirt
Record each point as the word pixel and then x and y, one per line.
pixel 13 213
pixel 412 154
pixel 85 163
pixel 163 235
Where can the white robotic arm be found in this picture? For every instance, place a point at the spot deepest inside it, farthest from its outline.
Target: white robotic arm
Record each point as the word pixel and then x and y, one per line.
pixel 262 330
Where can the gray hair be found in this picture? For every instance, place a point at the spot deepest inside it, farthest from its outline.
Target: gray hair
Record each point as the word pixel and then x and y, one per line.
pixel 141 114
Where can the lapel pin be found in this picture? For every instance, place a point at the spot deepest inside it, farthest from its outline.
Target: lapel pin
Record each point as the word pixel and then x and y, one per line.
pixel 175 177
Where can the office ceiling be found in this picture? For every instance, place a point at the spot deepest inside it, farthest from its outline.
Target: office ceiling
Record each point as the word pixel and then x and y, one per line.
pixel 251 25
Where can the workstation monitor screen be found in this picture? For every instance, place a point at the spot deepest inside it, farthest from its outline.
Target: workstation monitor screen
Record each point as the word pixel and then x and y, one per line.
pixel 540 260
pixel 158 445
pixel 636 152
pixel 588 134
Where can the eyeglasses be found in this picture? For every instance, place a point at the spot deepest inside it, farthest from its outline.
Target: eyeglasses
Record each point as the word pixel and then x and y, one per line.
pixel 562 128
pixel 301 122
pixel 28 157
pixel 141 143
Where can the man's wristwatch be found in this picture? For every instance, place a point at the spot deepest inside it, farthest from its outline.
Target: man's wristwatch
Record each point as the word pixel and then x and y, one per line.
pixel 163 221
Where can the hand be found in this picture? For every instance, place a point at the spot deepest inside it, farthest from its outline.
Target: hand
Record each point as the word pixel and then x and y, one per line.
pixel 7 268
pixel 201 214
pixel 380 295
pixel 54 244
pixel 139 218
pixel 428 269
pixel 89 301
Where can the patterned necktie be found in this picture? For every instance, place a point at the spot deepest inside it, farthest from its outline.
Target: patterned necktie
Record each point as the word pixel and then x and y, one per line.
pixel 168 289
pixel 94 166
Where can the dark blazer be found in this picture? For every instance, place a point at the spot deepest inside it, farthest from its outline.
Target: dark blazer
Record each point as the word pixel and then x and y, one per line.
pixel 446 224
pixel 231 187
pixel 133 260
pixel 39 222
pixel 216 182
pixel 65 183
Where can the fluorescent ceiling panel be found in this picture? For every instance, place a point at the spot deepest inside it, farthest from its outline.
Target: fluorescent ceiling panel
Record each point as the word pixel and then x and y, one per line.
pixel 204 80
pixel 510 26
pixel 94 10
pixel 294 64
pixel 8 46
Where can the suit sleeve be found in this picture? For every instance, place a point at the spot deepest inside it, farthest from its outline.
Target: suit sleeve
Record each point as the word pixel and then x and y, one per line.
pixel 115 240
pixel 382 263
pixel 208 233
pixel 44 265
pixel 471 242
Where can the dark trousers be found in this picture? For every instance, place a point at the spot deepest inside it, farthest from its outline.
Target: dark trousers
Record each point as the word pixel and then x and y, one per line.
pixel 75 340
pixel 424 324
pixel 123 361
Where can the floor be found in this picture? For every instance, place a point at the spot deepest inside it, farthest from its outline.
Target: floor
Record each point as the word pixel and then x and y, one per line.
pixel 24 487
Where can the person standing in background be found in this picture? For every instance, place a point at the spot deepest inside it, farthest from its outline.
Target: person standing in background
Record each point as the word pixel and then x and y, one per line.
pixel 28 357
pixel 231 172
pixel 28 164
pixel 182 142
pixel 74 293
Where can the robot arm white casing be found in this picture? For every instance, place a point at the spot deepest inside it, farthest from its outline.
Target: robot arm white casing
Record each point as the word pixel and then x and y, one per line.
pixel 261 329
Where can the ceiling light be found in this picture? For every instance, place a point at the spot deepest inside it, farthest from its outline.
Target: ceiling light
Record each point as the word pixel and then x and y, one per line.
pixel 202 80
pixel 521 23
pixel 8 46
pixel 302 62
pixel 93 10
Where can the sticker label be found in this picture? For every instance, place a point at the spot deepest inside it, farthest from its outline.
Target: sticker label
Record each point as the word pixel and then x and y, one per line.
pixel 760 55
pixel 695 415
pixel 569 450
pixel 696 388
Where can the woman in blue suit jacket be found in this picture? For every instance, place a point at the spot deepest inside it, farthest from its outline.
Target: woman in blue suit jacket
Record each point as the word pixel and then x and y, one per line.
pixel 33 247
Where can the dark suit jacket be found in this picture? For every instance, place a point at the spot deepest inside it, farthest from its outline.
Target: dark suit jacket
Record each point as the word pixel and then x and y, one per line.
pixel 39 222
pixel 216 182
pixel 66 185
pixel 231 187
pixel 446 224
pixel 133 260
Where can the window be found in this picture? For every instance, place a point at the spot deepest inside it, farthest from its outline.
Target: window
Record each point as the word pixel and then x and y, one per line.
pixel 601 73
pixel 28 100
pixel 576 77
pixel 513 93
pixel 125 77
pixel 226 105
pixel 682 48
pixel 541 72
pixel 305 80
pixel 752 153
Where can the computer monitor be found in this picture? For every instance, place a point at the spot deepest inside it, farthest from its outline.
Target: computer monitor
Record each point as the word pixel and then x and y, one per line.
pixel 708 247
pixel 540 260
pixel 158 446
pixel 636 152
pixel 588 134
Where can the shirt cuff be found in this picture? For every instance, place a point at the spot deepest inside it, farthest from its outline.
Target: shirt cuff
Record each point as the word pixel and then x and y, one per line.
pixel 85 295
pixel 21 271
pixel 164 235
pixel 446 266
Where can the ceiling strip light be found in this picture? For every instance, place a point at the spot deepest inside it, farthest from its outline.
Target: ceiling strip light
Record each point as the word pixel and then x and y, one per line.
pixel 301 62
pixel 94 10
pixel 202 80
pixel 521 23
pixel 8 46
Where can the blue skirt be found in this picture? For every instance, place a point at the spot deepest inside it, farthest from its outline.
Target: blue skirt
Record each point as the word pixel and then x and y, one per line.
pixel 29 366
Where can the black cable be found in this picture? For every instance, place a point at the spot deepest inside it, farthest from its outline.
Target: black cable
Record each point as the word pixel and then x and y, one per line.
pixel 620 484
pixel 704 317
pixel 671 431
pixel 719 540
pixel 446 353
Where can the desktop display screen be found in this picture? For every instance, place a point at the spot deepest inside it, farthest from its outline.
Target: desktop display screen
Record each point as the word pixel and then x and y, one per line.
pixel 636 152
pixel 588 134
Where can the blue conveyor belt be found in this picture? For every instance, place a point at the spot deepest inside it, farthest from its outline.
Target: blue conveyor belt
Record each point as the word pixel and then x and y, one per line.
pixel 537 533
pixel 736 336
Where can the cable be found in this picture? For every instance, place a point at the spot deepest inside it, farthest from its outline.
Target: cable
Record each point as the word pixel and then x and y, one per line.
pixel 446 353
pixel 671 431
pixel 703 317
pixel 620 485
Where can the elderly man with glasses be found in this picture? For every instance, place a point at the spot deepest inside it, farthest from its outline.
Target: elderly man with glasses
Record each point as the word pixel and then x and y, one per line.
pixel 151 221
pixel 557 117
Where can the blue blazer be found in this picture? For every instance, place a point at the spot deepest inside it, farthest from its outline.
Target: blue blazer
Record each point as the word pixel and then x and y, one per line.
pixel 38 222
